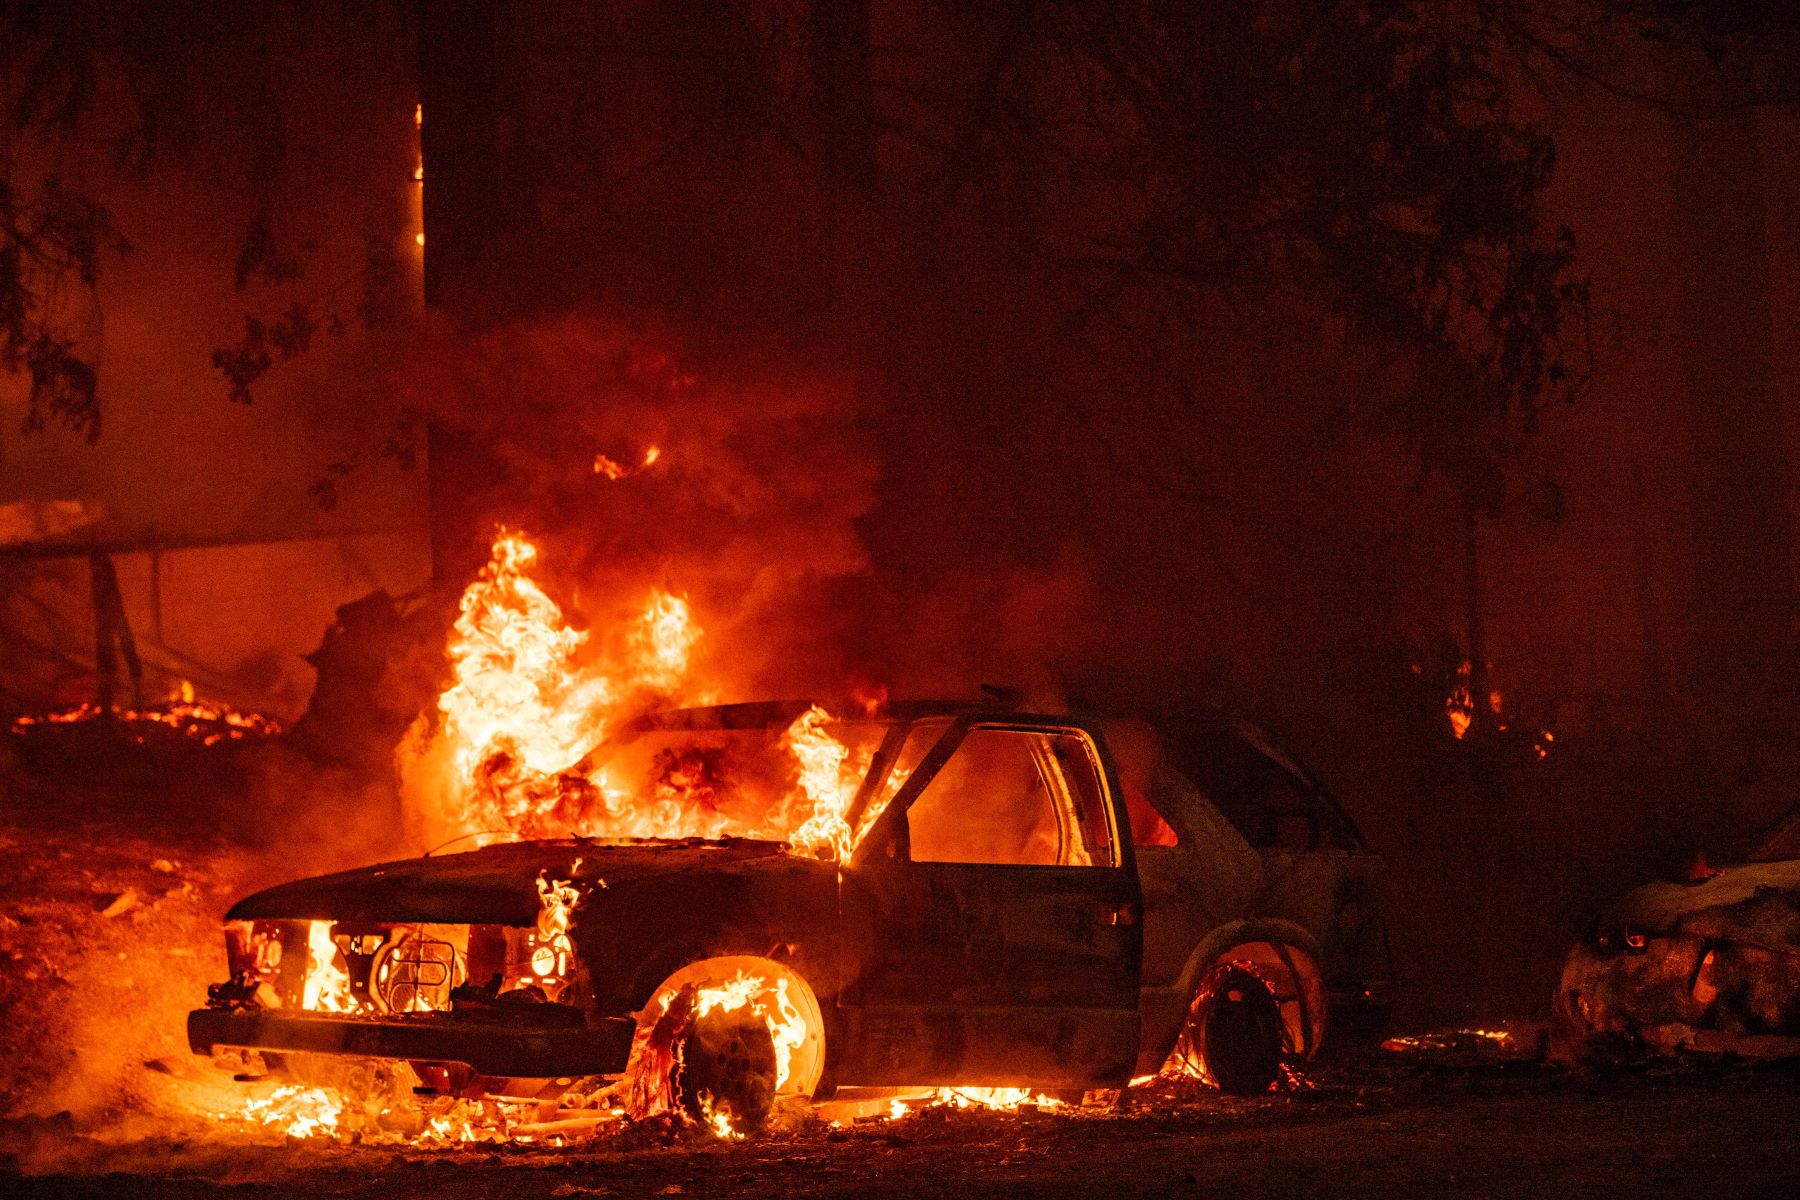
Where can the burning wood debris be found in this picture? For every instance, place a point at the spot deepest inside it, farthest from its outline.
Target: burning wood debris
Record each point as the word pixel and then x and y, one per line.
pixel 179 717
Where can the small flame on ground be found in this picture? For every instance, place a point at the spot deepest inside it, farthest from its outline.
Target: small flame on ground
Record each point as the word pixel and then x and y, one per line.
pixel 995 1099
pixel 298 1112
pixel 718 1121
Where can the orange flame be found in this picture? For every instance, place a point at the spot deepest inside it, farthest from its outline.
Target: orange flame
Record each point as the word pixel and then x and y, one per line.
pixel 551 955
pixel 770 1001
pixel 327 985
pixel 532 695
pixel 827 786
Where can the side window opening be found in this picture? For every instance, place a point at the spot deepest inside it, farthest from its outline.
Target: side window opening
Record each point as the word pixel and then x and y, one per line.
pixel 1142 761
pixel 1257 791
pixel 1148 827
pixel 919 741
pixel 1015 797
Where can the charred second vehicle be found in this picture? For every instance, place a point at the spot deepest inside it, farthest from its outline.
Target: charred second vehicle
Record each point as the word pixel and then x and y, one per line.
pixel 1706 964
pixel 1021 901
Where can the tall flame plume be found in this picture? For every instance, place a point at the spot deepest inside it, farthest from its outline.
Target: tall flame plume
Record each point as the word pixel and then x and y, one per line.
pixel 531 695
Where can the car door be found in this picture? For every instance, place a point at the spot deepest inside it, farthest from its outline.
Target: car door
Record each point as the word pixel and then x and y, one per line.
pixel 993 918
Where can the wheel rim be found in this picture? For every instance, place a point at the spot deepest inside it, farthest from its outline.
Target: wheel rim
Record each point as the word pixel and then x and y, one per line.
pixel 726 1066
pixel 1236 1033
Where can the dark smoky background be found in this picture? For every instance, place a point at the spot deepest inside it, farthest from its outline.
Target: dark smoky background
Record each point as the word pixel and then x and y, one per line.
pixel 1280 357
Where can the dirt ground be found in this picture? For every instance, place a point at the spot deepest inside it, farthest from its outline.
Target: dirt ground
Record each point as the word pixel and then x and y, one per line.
pixel 1373 1131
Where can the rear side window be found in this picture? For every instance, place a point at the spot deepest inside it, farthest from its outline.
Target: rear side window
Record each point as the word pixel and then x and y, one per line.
pixel 1013 797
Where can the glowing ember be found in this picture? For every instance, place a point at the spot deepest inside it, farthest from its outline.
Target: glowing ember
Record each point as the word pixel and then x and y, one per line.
pixel 298 1112
pixel 1494 1040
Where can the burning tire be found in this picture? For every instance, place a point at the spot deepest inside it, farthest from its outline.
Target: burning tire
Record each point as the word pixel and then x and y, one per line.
pixel 723 1040
pixel 1234 1034
pixel 724 1073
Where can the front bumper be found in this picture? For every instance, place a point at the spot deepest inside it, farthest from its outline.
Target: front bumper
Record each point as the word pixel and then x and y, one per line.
pixel 535 1043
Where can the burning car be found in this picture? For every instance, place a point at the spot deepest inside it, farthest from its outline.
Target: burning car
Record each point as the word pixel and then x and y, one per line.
pixel 996 903
pixel 1708 964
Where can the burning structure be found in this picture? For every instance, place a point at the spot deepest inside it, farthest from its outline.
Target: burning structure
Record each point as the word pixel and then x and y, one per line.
pixel 728 905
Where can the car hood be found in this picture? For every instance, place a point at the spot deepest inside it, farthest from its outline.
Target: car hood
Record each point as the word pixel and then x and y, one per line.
pixel 496 885
pixel 1756 902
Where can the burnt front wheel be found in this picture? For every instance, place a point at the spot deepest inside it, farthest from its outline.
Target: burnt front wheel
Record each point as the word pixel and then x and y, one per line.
pixel 1234 1034
pixel 725 1071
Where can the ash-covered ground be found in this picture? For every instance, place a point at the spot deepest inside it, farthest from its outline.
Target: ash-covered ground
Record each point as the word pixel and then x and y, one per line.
pixel 109 934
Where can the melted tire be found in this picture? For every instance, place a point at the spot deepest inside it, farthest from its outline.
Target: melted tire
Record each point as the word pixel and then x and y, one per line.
pixel 1237 1030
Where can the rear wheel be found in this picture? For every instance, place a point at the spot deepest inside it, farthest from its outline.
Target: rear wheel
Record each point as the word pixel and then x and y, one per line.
pixel 1234 1035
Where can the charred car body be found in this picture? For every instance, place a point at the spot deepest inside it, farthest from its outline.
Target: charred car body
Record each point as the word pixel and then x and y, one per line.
pixel 1015 913
pixel 1707 965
